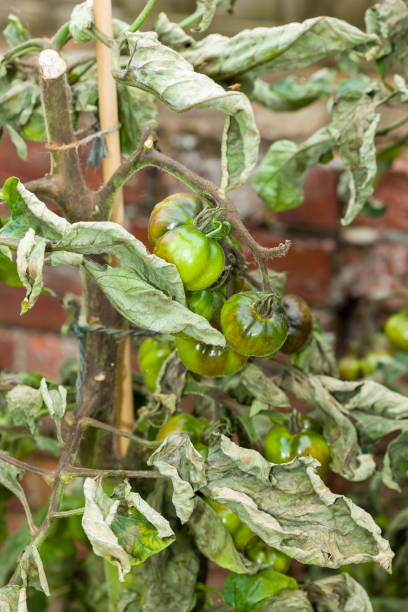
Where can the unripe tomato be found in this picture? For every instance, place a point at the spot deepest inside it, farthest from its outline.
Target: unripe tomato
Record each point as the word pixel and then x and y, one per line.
pixel 263 554
pixel 177 209
pixel 182 423
pixel 373 359
pixel 281 446
pixel 244 537
pixel 396 330
pixel 207 303
pixel 152 354
pixel 308 423
pixel 207 359
pixel 254 323
pixel 227 516
pixel 300 323
pixel 199 260
pixel 349 368
pixel 202 449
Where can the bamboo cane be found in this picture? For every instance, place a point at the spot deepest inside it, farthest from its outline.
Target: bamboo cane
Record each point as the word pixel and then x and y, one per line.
pixel 108 115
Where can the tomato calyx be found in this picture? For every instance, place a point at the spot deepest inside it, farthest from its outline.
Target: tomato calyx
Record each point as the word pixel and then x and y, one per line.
pixel 265 305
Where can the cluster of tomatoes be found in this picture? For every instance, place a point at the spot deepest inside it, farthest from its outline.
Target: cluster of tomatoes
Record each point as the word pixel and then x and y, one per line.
pixel 254 323
pixel 353 367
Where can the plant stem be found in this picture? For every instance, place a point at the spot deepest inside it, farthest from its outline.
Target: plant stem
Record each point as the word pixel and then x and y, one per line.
pixel 119 432
pixel 141 18
pixel 78 471
pixel 67 513
pixel 62 36
pixel 27 467
pixel 191 18
pixel 392 126
pixel 34 44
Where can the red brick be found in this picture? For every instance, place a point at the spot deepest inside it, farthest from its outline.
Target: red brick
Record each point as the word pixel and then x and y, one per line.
pixel 320 206
pixel 43 354
pixel 47 314
pixel 309 265
pixel 11 164
pixel 7 349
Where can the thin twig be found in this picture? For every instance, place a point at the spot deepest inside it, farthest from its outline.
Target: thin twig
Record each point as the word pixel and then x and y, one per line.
pixel 88 421
pixel 27 467
pixel 78 471
pixel 78 143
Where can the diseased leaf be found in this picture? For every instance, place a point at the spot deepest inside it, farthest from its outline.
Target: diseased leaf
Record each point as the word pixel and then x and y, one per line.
pixel 56 402
pixel 244 593
pixel 124 529
pixel 286 601
pixel 263 388
pixel 145 306
pixel 170 578
pixel 17 140
pixel 208 8
pixel 168 76
pixel 32 570
pixel 293 93
pixel 263 50
pixel 15 33
pixel 347 458
pixel 389 21
pixel 9 599
pixel 89 238
pixel 318 356
pixel 287 505
pixel 279 177
pixel 30 263
pixel 136 109
pixel 340 593
pixel 171 34
pixel 220 547
pixel 23 406
pixel 81 21
pixel 186 477
pixel 354 123
pixel 396 461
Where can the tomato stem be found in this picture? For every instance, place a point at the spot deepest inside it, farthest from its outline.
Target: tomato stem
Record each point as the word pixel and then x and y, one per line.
pixel 265 304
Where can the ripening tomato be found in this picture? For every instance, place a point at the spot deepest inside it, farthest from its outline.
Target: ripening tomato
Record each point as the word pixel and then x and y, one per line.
pixel 183 423
pixel 199 260
pixel 349 367
pixel 254 323
pixel 208 359
pixel 263 554
pixel 300 323
pixel 373 360
pixel 281 446
pixel 177 209
pixel 152 354
pixel 396 330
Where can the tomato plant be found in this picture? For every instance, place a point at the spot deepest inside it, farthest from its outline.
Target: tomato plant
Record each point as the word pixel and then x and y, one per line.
pixel 201 457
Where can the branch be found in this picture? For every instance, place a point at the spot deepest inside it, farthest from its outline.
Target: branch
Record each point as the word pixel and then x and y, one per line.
pixel 72 192
pixel 26 466
pixel 147 155
pixel 78 471
pixel 87 421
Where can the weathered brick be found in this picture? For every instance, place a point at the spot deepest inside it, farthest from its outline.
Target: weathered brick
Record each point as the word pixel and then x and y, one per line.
pixel 7 349
pixel 43 354
pixel 47 314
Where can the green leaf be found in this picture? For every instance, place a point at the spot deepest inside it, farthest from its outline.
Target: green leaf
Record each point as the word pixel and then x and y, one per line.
pixel 293 93
pixel 147 307
pixel 81 21
pixel 287 505
pixel 279 177
pixel 24 406
pixel 220 547
pixel 278 48
pixel 13 198
pixel 17 100
pixel 170 578
pixel 136 109
pixel 123 529
pixel 17 140
pixel 169 77
pixel 354 123
pixel 88 238
pixel 340 593
pixel 243 592
pixel 15 33
pixel 10 549
pixel 8 269
pixel 10 598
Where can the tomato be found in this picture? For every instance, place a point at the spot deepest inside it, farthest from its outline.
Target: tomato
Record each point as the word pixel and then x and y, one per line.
pixel 281 446
pixel 254 323
pixel 199 260
pixel 183 423
pixel 244 537
pixel 300 323
pixel 373 359
pixel 349 368
pixel 263 554
pixel 152 354
pixel 308 423
pixel 202 449
pixel 207 303
pixel 177 209
pixel 396 330
pixel 207 359
pixel 227 516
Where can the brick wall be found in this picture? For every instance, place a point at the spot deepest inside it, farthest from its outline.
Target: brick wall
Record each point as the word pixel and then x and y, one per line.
pixel 331 267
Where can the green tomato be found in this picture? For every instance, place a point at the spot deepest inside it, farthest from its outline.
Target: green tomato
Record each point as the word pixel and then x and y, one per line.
pixel 199 260
pixel 182 423
pixel 227 516
pixel 396 330
pixel 152 354
pixel 281 446
pixel 201 302
pixel 349 368
pixel 207 359
pixel 244 537
pixel 177 209
pixel 300 323
pixel 254 324
pixel 202 449
pixel 263 554
pixel 373 359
